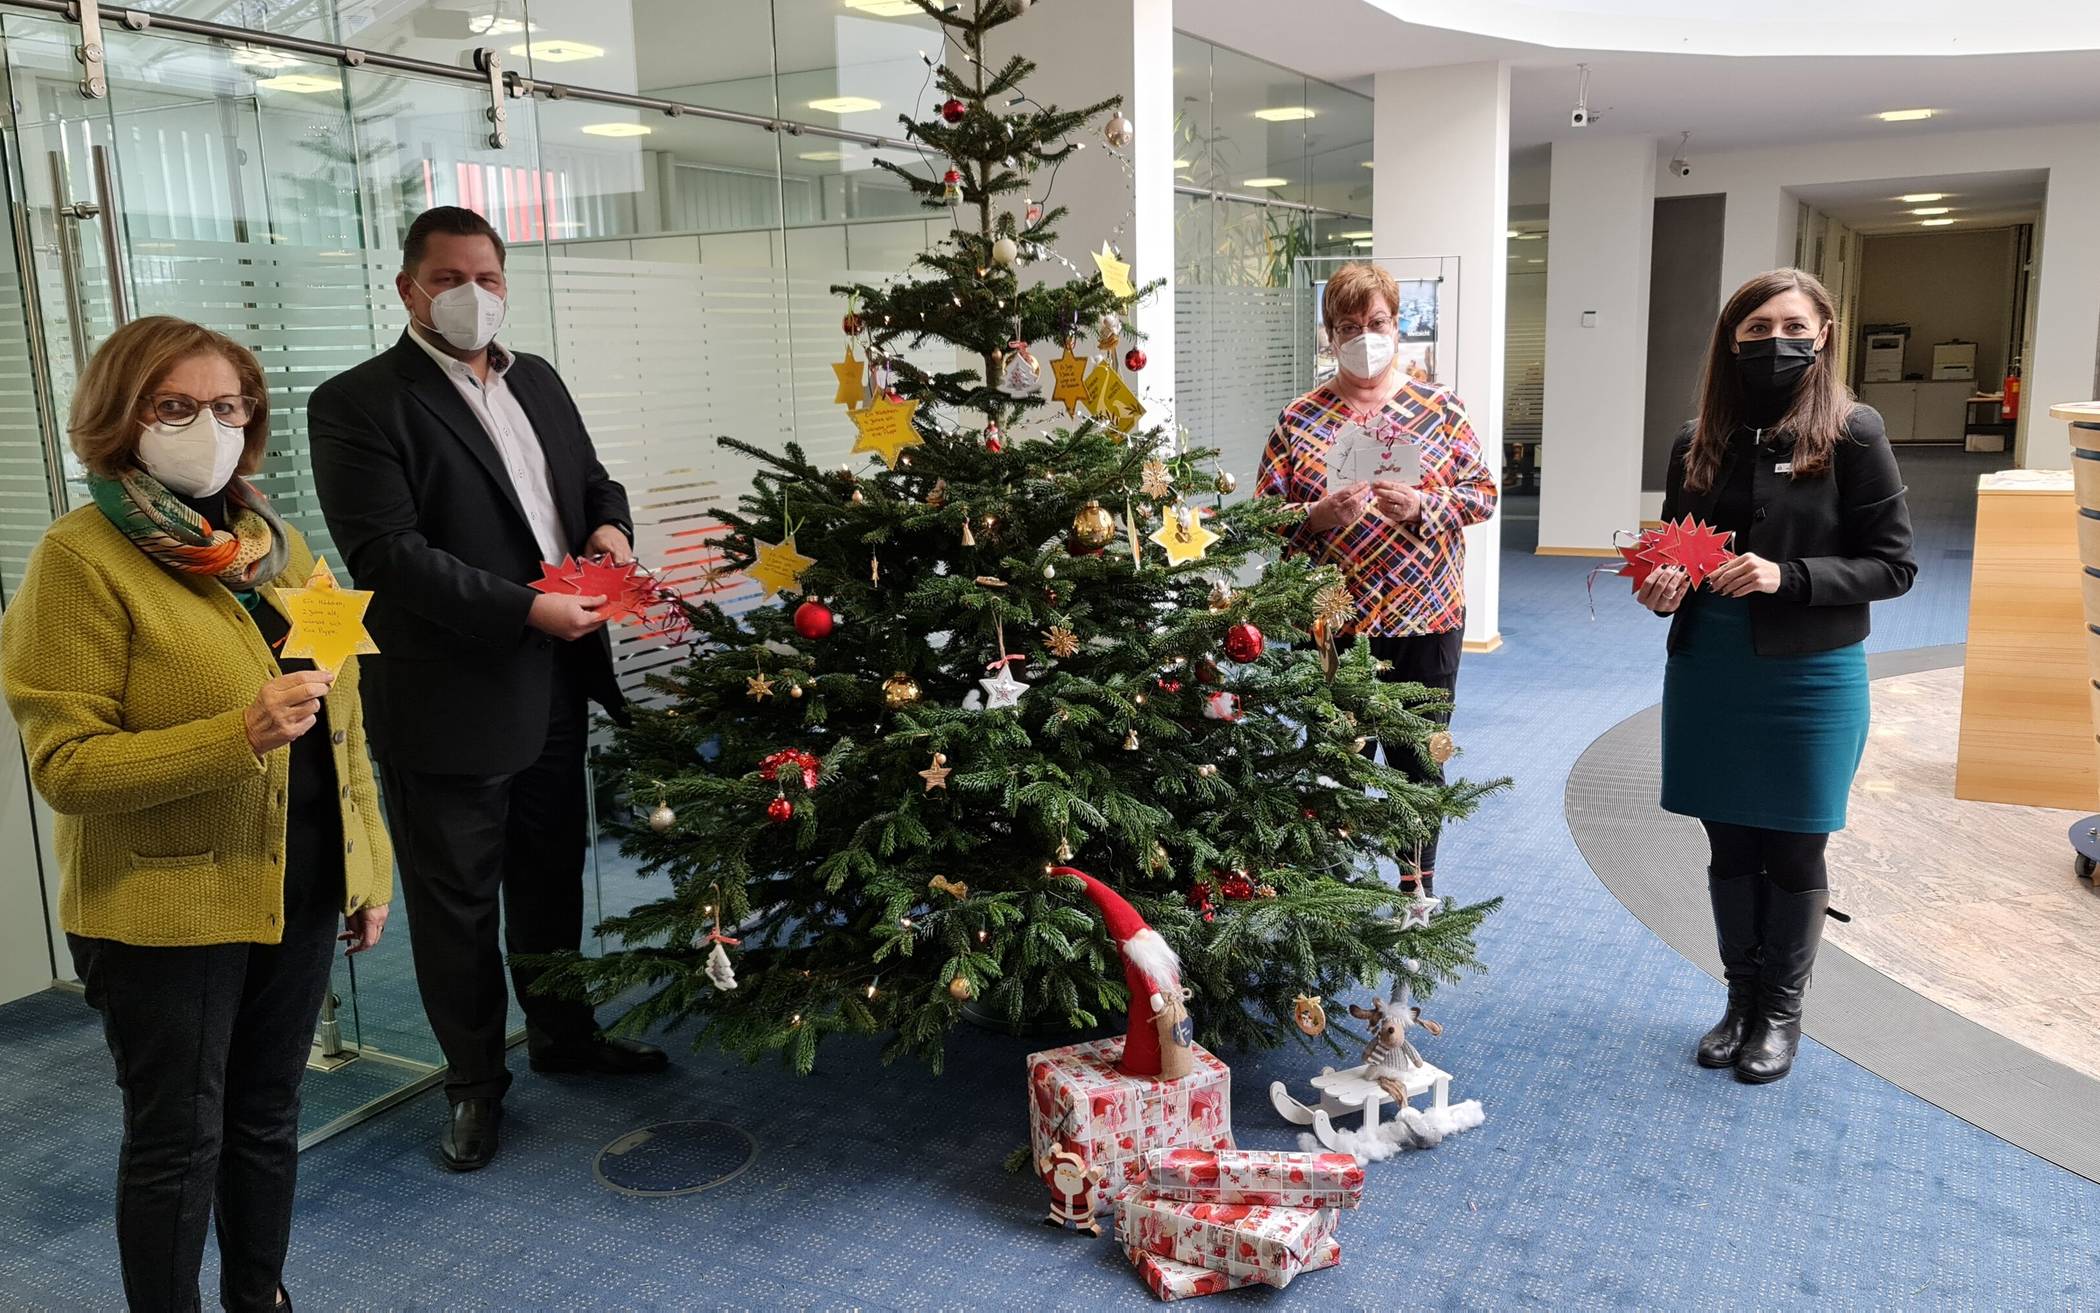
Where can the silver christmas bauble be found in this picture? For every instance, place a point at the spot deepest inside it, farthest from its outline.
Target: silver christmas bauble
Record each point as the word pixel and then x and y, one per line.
pixel 663 818
pixel 1117 131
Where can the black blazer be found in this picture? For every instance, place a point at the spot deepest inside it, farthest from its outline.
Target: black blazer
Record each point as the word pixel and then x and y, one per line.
pixel 1847 527
pixel 426 517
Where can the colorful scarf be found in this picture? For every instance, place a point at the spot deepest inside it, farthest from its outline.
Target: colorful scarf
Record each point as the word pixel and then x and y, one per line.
pixel 252 552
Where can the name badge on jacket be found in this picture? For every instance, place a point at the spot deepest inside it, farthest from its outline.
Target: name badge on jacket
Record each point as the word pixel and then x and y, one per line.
pixel 1783 467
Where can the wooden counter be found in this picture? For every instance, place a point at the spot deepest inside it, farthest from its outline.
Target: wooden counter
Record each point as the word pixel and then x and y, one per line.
pixel 2026 717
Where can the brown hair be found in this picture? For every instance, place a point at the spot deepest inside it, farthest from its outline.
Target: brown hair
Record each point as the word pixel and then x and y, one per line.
pixel 1351 288
pixel 452 219
pixel 109 404
pixel 1821 405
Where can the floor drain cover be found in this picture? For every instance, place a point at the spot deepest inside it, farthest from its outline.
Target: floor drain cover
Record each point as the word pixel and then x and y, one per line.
pixel 673 1158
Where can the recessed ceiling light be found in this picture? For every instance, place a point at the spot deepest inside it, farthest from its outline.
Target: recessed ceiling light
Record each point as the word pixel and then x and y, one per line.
pixel 1283 114
pixel 495 25
pixel 302 82
pixel 1512 233
pixel 257 57
pixel 1923 197
pixel 1369 165
pixel 844 104
pixel 1360 232
pixel 1365 242
pixel 558 51
pixel 1934 223
pixel 1181 164
pixel 618 129
pixel 1531 237
pixel 1905 115
pixel 1530 261
pixel 885 8
pixel 822 156
pixel 1266 182
pixel 1932 209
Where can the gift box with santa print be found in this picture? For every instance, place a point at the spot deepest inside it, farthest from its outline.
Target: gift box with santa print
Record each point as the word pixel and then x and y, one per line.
pixel 1255 1176
pixel 1080 1100
pixel 1271 1245
pixel 1171 1280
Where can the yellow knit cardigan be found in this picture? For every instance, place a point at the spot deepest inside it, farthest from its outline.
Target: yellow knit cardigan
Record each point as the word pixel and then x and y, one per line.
pixel 129 682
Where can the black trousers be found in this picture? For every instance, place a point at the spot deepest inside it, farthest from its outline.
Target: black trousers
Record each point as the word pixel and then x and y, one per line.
pixel 465 841
pixel 210 1045
pixel 1430 660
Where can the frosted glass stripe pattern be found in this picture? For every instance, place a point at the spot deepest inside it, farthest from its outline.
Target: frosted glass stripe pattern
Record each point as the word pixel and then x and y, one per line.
pixel 1241 355
pixel 1524 361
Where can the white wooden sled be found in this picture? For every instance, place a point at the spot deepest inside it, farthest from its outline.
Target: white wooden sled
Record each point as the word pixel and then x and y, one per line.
pixel 1350 1091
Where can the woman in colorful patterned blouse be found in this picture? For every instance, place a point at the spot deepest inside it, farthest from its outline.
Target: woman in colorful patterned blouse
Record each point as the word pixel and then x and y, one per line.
pixel 1399 544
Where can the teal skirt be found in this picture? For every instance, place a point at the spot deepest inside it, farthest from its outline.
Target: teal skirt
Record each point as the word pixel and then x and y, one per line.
pixel 1770 742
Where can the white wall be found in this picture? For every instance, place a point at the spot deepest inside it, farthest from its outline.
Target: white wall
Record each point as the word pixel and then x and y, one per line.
pixel 1596 371
pixel 1088 50
pixel 1761 218
pixel 27 935
pixel 1465 142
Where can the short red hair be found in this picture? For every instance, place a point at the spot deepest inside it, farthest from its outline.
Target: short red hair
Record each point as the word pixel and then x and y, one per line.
pixel 1352 288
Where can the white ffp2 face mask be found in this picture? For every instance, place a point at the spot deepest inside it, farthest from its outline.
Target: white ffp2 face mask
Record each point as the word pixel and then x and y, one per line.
pixel 1366 355
pixel 467 316
pixel 195 460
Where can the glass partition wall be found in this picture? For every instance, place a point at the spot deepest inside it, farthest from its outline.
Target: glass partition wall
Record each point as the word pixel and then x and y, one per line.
pixel 1272 168
pixel 675 267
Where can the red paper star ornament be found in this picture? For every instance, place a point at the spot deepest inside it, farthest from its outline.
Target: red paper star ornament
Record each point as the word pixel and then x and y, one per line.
pixel 617 584
pixel 557 578
pixel 1700 548
pixel 1639 564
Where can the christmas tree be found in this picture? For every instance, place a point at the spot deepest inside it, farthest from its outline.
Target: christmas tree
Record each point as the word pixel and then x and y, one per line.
pixel 988 652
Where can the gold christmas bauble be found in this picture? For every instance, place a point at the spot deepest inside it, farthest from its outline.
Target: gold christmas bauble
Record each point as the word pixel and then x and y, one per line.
pixel 1220 598
pixel 1117 131
pixel 899 690
pixel 1093 526
pixel 1442 747
pixel 1206 770
pixel 1160 857
pixel 663 818
pixel 1227 484
pixel 959 989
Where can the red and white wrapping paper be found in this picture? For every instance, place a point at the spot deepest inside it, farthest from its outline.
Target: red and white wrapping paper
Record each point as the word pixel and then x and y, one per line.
pixel 1171 1280
pixel 1255 1176
pixel 1269 1245
pixel 1116 1118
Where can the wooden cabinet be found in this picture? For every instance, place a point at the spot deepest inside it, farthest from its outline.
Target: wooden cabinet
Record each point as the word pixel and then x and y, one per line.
pixel 2026 718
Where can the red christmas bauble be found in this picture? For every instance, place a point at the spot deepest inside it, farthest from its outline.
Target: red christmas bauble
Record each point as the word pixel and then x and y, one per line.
pixel 1236 886
pixel 813 620
pixel 952 178
pixel 779 810
pixel 1243 642
pixel 1199 901
pixel 851 323
pixel 1133 360
pixel 1078 548
pixel 953 110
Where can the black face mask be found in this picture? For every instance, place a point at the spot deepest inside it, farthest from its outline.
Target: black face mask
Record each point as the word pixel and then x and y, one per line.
pixel 1771 368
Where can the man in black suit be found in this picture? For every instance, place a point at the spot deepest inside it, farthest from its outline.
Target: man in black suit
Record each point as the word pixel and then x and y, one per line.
pixel 448 469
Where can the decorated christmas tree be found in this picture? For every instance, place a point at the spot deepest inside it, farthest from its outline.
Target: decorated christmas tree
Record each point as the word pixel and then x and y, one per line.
pixel 995 645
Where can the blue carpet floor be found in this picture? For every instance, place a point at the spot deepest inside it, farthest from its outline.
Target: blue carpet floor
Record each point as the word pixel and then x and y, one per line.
pixel 1611 1171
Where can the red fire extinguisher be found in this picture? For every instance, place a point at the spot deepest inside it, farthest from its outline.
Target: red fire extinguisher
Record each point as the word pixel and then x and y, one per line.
pixel 2009 409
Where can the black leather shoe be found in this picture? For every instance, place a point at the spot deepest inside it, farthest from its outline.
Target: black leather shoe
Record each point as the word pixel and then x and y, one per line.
pixel 605 1055
pixel 1736 930
pixel 469 1141
pixel 1793 931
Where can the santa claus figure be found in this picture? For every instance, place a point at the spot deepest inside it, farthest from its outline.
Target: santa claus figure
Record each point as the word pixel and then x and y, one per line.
pixel 1160 1041
pixel 1071 1182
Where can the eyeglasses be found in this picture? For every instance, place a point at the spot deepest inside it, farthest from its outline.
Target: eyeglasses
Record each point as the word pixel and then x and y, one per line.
pixel 179 411
pixel 1348 329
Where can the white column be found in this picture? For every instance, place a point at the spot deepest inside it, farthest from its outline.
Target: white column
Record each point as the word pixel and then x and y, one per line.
pixel 1087 50
pixel 2066 361
pixel 1441 150
pixel 1602 232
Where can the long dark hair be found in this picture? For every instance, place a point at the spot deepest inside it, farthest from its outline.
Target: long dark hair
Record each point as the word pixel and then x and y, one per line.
pixel 1822 403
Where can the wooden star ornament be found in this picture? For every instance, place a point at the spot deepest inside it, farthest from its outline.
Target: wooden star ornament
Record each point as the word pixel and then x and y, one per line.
pixel 1061 641
pixel 936 775
pixel 328 621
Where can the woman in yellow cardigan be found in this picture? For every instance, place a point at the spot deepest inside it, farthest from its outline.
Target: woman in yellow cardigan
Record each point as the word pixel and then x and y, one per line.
pixel 217 823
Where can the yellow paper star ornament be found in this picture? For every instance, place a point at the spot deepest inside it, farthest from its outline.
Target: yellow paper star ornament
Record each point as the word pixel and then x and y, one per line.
pixel 852 390
pixel 885 428
pixel 328 621
pixel 1184 536
pixel 1069 371
pixel 1111 399
pixel 779 566
pixel 1115 274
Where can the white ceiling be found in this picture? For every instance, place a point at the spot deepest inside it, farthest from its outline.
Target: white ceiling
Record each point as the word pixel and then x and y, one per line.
pixel 1973 200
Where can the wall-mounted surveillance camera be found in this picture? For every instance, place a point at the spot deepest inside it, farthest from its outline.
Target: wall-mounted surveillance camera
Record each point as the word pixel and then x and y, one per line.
pixel 1681 168
pixel 1681 164
pixel 1580 116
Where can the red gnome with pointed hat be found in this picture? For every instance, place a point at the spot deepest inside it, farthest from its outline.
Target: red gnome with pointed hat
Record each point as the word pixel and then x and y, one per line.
pixel 1161 1037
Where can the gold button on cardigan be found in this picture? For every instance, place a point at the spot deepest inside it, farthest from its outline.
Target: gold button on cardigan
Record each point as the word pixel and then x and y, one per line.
pixel 130 682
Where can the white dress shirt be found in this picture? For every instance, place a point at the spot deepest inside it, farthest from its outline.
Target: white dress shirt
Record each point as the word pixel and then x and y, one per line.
pixel 507 425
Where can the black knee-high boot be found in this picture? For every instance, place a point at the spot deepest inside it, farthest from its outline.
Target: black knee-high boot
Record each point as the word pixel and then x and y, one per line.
pixel 1736 929
pixel 1792 931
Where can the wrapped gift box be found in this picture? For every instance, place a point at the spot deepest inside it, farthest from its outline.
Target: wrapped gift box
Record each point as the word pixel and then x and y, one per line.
pixel 1171 1280
pixel 1267 1244
pixel 1115 1118
pixel 1255 1176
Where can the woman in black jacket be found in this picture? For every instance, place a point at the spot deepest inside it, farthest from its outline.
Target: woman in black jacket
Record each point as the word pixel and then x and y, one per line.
pixel 1765 694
